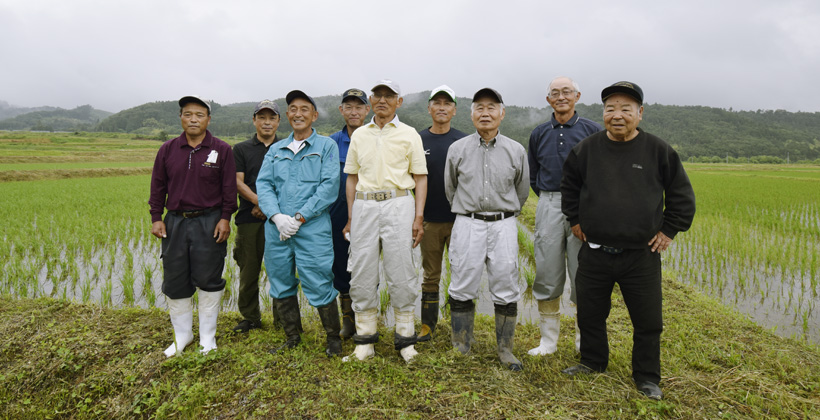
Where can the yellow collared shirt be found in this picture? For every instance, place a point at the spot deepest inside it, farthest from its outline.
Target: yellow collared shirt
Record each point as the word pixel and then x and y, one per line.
pixel 385 158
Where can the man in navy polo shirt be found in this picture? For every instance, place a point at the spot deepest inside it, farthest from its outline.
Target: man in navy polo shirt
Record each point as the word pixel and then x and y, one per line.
pixel 556 249
pixel 354 109
pixel 250 221
pixel 194 177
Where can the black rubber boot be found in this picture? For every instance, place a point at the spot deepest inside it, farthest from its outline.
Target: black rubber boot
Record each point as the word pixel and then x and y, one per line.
pixel 429 315
pixel 505 320
pixel 462 318
pixel 329 314
pixel 348 316
pixel 291 319
pixel 277 323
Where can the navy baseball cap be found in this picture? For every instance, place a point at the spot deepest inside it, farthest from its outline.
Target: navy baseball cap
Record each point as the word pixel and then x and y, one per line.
pixel 295 94
pixel 627 88
pixel 355 93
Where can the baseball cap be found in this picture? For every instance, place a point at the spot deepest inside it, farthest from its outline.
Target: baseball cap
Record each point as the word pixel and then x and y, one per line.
pixel 388 84
pixel 185 100
pixel 446 89
pixel 355 93
pixel 266 104
pixel 627 88
pixel 488 92
pixel 294 94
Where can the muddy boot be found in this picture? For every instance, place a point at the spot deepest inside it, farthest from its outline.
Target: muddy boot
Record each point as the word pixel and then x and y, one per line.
pixel 277 323
pixel 348 316
pixel 462 318
pixel 367 335
pixel 429 315
pixel 549 325
pixel 505 319
pixel 405 336
pixel 182 319
pixel 329 314
pixel 291 319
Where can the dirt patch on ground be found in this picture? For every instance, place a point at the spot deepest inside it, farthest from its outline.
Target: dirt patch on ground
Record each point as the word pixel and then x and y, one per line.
pixel 36 175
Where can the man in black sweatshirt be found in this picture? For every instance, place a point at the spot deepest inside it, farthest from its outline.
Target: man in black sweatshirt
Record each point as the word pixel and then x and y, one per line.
pixel 626 196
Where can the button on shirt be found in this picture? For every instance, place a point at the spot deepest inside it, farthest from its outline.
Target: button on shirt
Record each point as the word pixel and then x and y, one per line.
pixel 187 178
pixel 550 144
pixel 486 178
pixel 385 158
pixel 305 182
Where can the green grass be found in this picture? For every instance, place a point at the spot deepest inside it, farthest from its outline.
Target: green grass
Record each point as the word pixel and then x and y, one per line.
pixel 62 360
pixel 72 165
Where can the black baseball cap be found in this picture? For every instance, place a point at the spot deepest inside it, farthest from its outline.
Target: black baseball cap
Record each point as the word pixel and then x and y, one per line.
pixel 355 93
pixel 295 94
pixel 627 88
pixel 488 93
pixel 266 104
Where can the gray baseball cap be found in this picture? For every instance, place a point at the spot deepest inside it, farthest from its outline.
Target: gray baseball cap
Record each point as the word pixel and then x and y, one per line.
pixel 185 100
pixel 266 104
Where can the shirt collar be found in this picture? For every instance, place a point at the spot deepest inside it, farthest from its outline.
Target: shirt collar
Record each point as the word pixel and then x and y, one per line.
pixel 206 142
pixel 394 121
pixel 571 122
pixel 289 139
pixel 491 143
pixel 257 142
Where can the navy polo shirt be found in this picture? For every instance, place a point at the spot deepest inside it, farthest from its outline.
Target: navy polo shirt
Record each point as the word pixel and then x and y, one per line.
pixel 550 144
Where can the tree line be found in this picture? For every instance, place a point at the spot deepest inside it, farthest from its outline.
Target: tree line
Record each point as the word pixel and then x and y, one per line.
pixel 698 133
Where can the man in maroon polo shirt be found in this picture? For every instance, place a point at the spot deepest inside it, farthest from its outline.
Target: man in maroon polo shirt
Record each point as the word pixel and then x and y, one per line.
pixel 194 177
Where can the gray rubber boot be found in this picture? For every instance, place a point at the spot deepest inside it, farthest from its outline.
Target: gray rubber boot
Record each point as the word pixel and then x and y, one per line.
pixel 429 315
pixel 462 319
pixel 288 309
pixel 348 316
pixel 329 314
pixel 505 320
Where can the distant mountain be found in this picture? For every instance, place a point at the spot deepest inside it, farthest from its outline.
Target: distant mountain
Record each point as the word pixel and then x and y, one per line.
pixel 7 110
pixel 82 118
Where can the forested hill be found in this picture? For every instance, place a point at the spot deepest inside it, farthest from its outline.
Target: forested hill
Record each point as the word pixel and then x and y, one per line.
pixel 81 118
pixel 695 131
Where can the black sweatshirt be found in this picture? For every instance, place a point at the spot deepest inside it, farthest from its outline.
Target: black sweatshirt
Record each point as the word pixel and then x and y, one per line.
pixel 623 193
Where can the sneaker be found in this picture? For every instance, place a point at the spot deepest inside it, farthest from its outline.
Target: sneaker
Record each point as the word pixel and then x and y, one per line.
pixel 246 325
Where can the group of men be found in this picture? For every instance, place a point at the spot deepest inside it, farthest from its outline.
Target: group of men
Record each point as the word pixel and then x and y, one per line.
pixel 344 214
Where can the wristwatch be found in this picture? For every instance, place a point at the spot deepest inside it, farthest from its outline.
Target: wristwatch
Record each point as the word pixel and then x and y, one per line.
pixel 299 217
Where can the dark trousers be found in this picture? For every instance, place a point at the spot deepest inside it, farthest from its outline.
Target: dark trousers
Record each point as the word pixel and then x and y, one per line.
pixel 338 220
pixel 248 254
pixel 191 258
pixel 638 274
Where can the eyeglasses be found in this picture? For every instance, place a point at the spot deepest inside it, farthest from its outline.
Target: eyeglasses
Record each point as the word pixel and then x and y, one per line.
pixel 378 97
pixel 567 93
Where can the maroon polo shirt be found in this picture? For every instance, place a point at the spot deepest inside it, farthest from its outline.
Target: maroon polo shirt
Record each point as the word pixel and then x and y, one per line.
pixel 185 178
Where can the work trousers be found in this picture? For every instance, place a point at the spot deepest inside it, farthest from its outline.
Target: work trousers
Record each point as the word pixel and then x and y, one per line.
pixel 638 274
pixel 248 252
pixel 341 247
pixel 310 251
pixel 476 244
pixel 191 258
pixel 556 249
pixel 436 237
pixel 386 228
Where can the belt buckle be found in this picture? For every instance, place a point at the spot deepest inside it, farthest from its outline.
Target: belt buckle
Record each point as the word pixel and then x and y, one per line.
pixel 381 196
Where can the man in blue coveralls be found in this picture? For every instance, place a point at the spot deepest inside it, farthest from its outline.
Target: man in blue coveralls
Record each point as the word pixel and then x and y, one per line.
pixel 298 181
pixel 354 109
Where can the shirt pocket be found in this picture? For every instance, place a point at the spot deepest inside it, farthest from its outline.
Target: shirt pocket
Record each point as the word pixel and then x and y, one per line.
pixel 310 168
pixel 502 177
pixel 210 176
pixel 281 169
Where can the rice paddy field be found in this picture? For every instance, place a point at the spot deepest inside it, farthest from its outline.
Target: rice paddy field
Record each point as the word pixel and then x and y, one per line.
pixel 755 242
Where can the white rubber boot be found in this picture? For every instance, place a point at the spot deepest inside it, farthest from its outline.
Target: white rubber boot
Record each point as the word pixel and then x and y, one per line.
pixel 550 327
pixel 406 330
pixel 182 318
pixel 209 304
pixel 366 328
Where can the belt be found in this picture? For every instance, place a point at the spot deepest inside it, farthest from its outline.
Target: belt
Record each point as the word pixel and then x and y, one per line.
pixel 611 249
pixel 491 217
pixel 382 195
pixel 190 214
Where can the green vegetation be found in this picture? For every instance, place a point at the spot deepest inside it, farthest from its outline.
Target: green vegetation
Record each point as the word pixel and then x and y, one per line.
pixel 80 118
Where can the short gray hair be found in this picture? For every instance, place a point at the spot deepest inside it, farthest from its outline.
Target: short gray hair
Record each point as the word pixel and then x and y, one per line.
pixel 574 83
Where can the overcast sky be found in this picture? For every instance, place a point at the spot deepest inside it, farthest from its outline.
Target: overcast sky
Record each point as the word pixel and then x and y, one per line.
pixel 115 55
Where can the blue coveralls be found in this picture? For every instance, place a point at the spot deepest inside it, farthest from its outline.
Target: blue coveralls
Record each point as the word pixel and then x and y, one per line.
pixel 306 183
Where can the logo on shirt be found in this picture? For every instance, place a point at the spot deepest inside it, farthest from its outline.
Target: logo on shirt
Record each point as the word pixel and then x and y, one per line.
pixel 211 161
pixel 637 166
pixel 427 152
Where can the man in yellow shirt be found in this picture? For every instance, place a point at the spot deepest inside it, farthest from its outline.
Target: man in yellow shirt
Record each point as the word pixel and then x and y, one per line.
pixel 384 164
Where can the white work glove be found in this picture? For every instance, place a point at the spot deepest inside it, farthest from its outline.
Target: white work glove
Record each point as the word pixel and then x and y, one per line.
pixel 292 227
pixel 283 224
